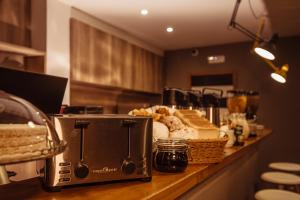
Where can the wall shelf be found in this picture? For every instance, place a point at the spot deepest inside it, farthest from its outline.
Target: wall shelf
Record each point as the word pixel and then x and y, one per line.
pixel 20 50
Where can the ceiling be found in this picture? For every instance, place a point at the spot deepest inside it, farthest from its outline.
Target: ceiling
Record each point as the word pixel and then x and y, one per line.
pixel 285 16
pixel 196 22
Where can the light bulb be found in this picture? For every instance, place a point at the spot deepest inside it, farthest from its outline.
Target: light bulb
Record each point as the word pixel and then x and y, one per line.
pixel 264 53
pixel 144 12
pixel 170 29
pixel 277 77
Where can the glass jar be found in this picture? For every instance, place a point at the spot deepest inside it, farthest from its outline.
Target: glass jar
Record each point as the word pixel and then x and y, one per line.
pixel 252 104
pixel 171 155
pixel 236 101
pixel 243 122
pixel 239 119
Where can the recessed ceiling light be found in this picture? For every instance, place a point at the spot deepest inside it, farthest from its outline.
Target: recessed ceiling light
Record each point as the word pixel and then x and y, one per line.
pixel 170 29
pixel 144 12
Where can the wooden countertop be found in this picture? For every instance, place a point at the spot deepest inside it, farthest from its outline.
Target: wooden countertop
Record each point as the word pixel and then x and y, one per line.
pixel 162 186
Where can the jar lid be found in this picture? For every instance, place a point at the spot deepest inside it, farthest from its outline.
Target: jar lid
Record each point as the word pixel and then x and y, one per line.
pixel 171 144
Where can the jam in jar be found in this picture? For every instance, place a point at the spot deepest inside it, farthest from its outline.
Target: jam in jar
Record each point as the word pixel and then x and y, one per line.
pixel 171 155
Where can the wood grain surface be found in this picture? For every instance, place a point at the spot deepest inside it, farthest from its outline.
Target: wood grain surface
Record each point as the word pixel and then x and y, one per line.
pixel 23 32
pixel 15 21
pixel 113 99
pixel 163 185
pixel 111 72
pixel 101 58
pixel 20 50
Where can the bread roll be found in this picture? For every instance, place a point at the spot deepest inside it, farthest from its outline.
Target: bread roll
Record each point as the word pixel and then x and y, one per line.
pixel 173 122
pixel 185 133
pixel 160 131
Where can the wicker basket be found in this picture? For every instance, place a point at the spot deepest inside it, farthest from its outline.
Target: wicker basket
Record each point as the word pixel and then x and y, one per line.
pixel 206 150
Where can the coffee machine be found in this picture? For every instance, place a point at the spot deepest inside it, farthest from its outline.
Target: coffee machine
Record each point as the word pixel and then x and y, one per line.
pixel 176 98
pixel 195 99
pixel 212 103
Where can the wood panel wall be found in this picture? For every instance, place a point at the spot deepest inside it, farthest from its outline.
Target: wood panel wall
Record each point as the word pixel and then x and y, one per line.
pixel 109 71
pixel 101 58
pixel 15 18
pixel 113 99
pixel 23 23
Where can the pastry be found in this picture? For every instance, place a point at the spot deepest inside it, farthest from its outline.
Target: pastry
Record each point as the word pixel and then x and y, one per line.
pixel 160 131
pixel 185 133
pixel 194 119
pixel 163 111
pixel 172 122
pixel 20 141
pixel 140 112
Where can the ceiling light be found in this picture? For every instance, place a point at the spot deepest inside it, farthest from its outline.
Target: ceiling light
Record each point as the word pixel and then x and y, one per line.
pixel 265 50
pixel 261 47
pixel 264 53
pixel 144 12
pixel 280 75
pixel 170 29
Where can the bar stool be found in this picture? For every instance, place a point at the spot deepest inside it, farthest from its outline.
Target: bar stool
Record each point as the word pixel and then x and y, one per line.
pixel 282 179
pixel 273 194
pixel 285 166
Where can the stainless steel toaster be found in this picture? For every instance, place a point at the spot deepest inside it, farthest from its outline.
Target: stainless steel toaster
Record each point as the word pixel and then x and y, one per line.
pixel 100 148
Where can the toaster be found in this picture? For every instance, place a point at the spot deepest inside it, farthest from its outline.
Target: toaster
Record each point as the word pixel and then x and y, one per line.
pixel 100 148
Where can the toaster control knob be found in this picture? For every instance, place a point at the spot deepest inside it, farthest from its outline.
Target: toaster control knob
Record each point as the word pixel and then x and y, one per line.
pixel 128 167
pixel 81 171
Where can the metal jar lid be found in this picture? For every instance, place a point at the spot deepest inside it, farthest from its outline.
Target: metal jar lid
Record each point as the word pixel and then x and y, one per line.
pixel 166 144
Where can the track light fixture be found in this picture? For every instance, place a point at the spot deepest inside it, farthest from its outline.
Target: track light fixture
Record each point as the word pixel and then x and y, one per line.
pixel 279 74
pixel 265 49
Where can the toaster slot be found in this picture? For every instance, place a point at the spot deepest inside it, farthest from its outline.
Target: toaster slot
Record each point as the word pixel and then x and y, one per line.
pixel 82 125
pixel 81 170
pixel 128 166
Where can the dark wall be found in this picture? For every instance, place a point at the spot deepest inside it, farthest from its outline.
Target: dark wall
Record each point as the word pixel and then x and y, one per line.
pixel 280 103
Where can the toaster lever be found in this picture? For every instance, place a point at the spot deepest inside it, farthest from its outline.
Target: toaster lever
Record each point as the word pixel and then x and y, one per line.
pixel 82 170
pixel 82 125
pixel 128 166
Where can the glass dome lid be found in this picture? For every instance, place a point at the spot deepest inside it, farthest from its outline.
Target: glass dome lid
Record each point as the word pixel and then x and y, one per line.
pixel 26 133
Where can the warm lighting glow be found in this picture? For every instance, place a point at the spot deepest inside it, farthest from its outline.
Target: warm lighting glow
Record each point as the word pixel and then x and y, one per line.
pixel 144 12
pixel 170 29
pixel 264 53
pixel 216 59
pixel 31 124
pixel 211 58
pixel 277 77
